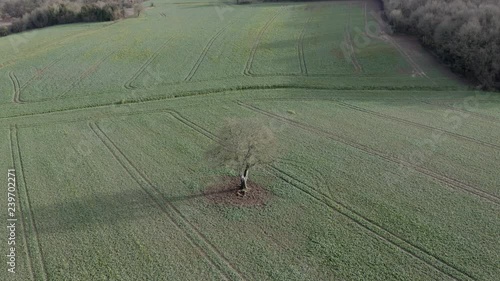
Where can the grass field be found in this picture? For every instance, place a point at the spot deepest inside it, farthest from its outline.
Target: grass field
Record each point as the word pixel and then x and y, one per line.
pixel 388 171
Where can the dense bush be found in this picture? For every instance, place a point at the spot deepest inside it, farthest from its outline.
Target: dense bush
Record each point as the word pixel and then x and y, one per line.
pixel 92 13
pixel 465 34
pixel 62 14
pixel 4 31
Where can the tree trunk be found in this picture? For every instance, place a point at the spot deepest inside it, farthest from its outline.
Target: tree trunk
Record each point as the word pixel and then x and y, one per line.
pixel 243 180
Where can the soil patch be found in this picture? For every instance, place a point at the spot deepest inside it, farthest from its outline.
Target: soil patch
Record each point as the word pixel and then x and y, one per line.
pixel 225 192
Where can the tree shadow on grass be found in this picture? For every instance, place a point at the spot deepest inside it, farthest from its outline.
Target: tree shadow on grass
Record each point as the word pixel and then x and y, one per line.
pixel 83 213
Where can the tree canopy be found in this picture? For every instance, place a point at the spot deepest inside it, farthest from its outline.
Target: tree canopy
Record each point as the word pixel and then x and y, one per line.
pixel 465 34
pixel 242 145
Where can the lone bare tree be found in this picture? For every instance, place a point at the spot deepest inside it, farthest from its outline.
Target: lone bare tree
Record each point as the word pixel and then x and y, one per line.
pixel 244 144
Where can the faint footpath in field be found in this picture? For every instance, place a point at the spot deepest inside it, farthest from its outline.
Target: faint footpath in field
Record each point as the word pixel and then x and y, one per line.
pixel 17 40
pixel 23 38
pixel 223 8
pixel 153 76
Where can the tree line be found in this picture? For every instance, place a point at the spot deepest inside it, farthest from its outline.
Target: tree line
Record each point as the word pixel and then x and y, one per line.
pixel 32 14
pixel 465 34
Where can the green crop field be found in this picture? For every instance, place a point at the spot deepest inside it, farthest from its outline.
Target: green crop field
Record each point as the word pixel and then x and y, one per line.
pixel 388 168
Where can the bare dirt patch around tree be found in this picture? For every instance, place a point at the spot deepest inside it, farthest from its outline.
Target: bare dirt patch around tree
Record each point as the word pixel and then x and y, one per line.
pixel 225 192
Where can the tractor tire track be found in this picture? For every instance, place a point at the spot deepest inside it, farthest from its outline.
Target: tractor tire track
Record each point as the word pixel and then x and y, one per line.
pixel 128 84
pixel 397 119
pixel 192 125
pixel 204 52
pixel 29 262
pixel 476 114
pixel 418 125
pixel 364 222
pixel 248 67
pixel 39 272
pixel 350 44
pixel 416 68
pixel 352 56
pixel 85 74
pixel 311 173
pixel 451 182
pixel 300 48
pixel 16 97
pixel 192 234
pixel 39 74
pixel 375 229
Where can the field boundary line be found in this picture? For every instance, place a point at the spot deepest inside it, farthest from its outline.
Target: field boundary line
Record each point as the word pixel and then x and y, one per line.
pixel 375 229
pixel 195 93
pixel 29 262
pixel 16 97
pixel 204 52
pixel 208 91
pixel 86 73
pixel 368 222
pixel 16 149
pixel 300 48
pixel 193 235
pixel 128 84
pixel 451 182
pixel 248 67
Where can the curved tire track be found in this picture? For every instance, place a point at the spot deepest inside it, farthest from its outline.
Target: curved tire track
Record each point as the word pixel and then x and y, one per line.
pixel 248 67
pixel 451 182
pixel 128 84
pixel 193 235
pixel 16 97
pixel 203 54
